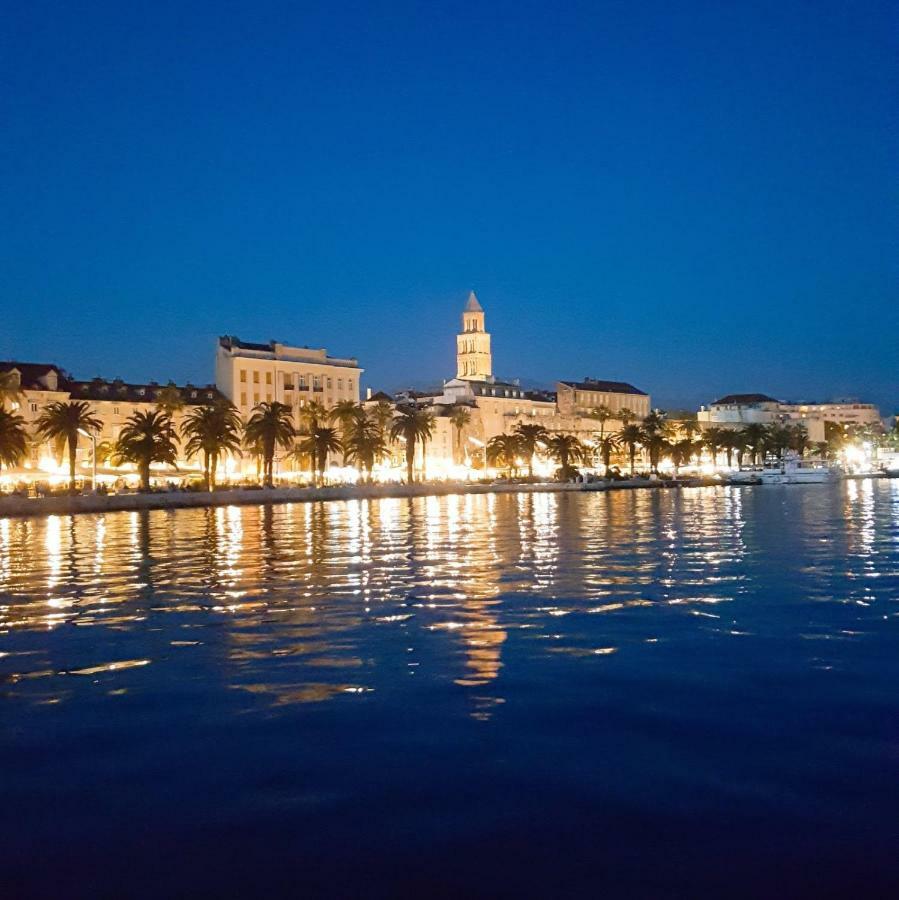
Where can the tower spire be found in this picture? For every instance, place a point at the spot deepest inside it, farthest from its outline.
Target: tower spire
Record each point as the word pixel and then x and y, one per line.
pixel 474 360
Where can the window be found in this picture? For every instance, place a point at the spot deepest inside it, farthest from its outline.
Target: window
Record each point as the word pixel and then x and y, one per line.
pixel 115 410
pixel 349 384
pixel 255 399
pixel 339 384
pixel 268 377
pixel 255 378
pixel 243 376
pixel 268 397
pixel 243 398
pixel 34 407
pixel 329 384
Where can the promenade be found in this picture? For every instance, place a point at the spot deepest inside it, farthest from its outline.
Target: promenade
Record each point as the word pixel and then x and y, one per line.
pixel 15 506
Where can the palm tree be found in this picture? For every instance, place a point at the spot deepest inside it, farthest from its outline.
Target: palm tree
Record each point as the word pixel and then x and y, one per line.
pixel 169 399
pixel 565 449
pixel 13 438
pixel 382 414
pixel 503 451
pixel 631 436
pixel 712 437
pixel 313 415
pixel 10 390
pixel 212 430
pixel 690 428
pixel 344 414
pixel 607 446
pixel 412 425
pixel 269 427
pixel 625 415
pixel 460 416
pixel 601 414
pixel 317 445
pixel 365 444
pixel 530 436
pixel 63 422
pixel 799 439
pixel 681 452
pixel 656 431
pixel 778 439
pixel 147 437
pixel 729 442
pixel 755 434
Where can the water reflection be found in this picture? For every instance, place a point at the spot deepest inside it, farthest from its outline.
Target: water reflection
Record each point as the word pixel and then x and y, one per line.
pixel 317 602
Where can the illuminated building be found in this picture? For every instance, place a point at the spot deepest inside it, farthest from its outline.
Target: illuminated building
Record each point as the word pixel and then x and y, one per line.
pixel 474 361
pixel 249 374
pixel 736 410
pixel 579 398
pixel 112 402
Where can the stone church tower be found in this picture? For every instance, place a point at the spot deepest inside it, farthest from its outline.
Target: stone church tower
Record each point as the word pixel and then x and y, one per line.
pixel 474 361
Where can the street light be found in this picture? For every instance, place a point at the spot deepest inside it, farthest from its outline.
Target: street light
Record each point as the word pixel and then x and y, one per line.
pixel 93 436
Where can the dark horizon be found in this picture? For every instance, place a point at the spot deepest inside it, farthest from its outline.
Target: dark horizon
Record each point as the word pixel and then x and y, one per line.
pixel 694 200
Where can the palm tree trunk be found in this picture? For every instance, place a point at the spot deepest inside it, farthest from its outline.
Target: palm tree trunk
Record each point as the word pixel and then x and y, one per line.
pixel 213 465
pixel 145 475
pixel 410 461
pixel 73 447
pixel 633 456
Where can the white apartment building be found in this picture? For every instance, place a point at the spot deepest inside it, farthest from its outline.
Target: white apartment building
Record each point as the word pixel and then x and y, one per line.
pixel 248 374
pixel 736 410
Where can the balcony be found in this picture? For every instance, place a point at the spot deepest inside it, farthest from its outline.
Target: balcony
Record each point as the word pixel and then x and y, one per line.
pixel 318 390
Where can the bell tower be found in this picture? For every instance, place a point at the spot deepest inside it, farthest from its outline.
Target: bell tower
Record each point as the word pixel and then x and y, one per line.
pixel 474 362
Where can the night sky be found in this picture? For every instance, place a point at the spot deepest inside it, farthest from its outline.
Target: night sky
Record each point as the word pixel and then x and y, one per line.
pixel 694 197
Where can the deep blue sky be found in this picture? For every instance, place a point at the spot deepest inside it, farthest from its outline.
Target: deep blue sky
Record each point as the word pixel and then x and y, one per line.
pixel 696 197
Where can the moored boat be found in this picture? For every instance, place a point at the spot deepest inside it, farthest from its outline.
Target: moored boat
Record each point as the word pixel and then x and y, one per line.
pixel 789 470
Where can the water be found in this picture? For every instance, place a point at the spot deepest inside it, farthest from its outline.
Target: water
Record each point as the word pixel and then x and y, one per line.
pixel 641 693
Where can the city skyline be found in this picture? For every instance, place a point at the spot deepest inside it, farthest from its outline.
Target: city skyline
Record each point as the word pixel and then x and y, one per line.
pixel 695 199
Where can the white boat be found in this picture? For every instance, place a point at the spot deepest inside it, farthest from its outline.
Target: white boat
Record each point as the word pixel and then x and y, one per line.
pixel 789 470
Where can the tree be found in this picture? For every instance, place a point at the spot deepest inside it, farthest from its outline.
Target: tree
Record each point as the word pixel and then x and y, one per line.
pixel 530 436
pixel 729 442
pixel 169 399
pixel 365 444
pixel 681 453
pixel 460 416
pixel 13 438
pixel 212 430
pixel 344 414
pixel 269 427
pixel 503 451
pixel 689 427
pixel 64 422
pixel 656 431
pixel 631 436
pixel 799 439
pixel 779 439
pixel 412 425
pixel 313 415
pixel 566 449
pixel 607 446
pixel 317 445
pixel 712 437
pixel 10 390
pixel 755 434
pixel 147 437
pixel 601 414
pixel 382 415
pixel 625 415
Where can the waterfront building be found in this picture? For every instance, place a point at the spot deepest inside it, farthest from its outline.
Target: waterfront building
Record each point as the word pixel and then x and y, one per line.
pixel 497 406
pixel 579 398
pixel 111 401
pixel 250 373
pixel 736 410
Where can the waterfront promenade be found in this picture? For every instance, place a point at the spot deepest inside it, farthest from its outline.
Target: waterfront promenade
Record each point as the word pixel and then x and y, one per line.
pixel 65 504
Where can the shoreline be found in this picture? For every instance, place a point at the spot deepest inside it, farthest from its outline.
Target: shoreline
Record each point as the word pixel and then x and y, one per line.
pixel 12 507
pixel 23 507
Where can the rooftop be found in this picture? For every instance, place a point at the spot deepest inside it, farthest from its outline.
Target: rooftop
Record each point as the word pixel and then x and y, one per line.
pixel 473 305
pixel 607 387
pixel 280 350
pixel 744 399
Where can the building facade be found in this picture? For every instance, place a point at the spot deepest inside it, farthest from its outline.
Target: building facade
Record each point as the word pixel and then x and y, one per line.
pixel 111 401
pixel 249 374
pixel 580 398
pixel 736 410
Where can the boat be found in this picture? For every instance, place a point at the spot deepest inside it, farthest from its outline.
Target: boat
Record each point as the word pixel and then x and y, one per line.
pixel 789 470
